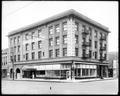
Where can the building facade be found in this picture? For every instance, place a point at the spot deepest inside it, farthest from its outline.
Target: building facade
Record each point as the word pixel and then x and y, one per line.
pixel 65 46
pixel 5 65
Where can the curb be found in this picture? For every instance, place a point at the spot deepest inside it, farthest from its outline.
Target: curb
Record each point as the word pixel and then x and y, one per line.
pixel 63 81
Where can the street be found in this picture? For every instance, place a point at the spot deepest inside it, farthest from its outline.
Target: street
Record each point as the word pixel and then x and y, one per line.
pixel 33 87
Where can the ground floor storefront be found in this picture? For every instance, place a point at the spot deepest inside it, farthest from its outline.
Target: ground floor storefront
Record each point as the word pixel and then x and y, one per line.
pixel 60 71
pixel 4 73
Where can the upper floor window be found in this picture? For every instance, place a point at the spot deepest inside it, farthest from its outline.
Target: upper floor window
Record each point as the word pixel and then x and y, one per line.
pixel 95 55
pixel 57 40
pixel 50 53
pixel 57 28
pixel 39 54
pixel 57 52
pixel 15 49
pixel 27 47
pixel 51 30
pixel 95 44
pixel 90 31
pixel 65 39
pixel 33 45
pixel 15 40
pixel 64 51
pixel 83 28
pixel 90 42
pixel 18 48
pixel 95 33
pixel 27 56
pixel 76 39
pixel 51 42
pixel 39 44
pixel 14 58
pixel 26 36
pixel 76 26
pixel 18 57
pixel 39 33
pixel 64 26
pixel 90 53
pixel 33 35
pixel 18 39
pixel 105 56
pixel 76 51
pixel 33 55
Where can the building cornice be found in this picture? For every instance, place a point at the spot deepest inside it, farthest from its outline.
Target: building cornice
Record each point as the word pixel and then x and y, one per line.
pixel 59 16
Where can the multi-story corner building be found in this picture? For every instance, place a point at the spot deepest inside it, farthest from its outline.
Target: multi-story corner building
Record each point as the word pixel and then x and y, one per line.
pixel 65 46
pixel 5 65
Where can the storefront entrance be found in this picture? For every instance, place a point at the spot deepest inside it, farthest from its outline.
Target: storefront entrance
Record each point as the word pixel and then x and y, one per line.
pixel 17 73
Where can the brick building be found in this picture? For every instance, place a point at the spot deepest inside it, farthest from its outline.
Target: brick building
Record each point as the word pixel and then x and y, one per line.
pixel 65 46
pixel 5 64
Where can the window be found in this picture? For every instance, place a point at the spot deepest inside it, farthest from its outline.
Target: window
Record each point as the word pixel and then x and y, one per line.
pixel 105 56
pixel 51 42
pixel 15 49
pixel 33 35
pixel 39 44
pixel 18 57
pixel 95 44
pixel 90 53
pixel 33 45
pixel 65 39
pixel 50 53
pixel 90 42
pixel 65 26
pixel 15 40
pixel 27 47
pixel 51 30
pixel 95 33
pixel 57 28
pixel 84 52
pixel 76 26
pixel 18 39
pixel 26 36
pixel 14 58
pixel 39 33
pixel 26 56
pixel 39 55
pixel 76 39
pixel 43 54
pixel 90 31
pixel 64 51
pixel 95 55
pixel 11 58
pixel 83 28
pixel 33 55
pixel 57 52
pixel 76 51
pixel 57 40
pixel 18 48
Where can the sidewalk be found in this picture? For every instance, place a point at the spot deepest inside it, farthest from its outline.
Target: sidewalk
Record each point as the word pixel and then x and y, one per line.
pixel 60 81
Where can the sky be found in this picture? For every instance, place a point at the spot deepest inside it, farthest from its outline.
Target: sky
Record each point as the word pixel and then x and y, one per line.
pixel 17 14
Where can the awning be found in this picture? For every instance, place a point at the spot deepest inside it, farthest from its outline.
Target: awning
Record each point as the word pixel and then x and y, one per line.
pixel 28 68
pixel 48 67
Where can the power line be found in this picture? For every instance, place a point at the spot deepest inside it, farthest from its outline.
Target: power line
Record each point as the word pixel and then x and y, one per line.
pixel 20 8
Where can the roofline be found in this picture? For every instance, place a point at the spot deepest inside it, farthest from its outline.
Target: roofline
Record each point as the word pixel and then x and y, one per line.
pixel 58 16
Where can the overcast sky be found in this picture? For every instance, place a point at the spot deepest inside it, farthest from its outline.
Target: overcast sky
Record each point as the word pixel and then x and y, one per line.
pixel 17 14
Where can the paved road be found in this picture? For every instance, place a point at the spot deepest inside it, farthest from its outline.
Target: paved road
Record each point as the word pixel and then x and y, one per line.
pixel 31 87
